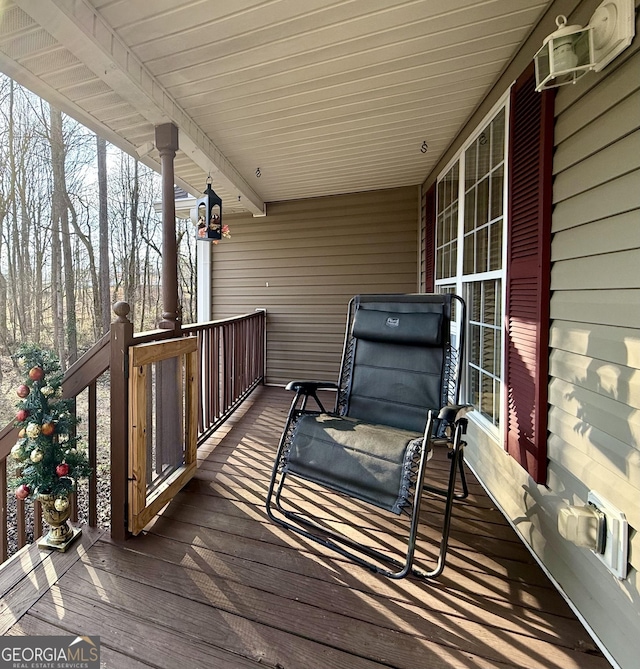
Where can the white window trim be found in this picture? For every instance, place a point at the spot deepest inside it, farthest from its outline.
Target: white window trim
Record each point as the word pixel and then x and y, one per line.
pixel 495 433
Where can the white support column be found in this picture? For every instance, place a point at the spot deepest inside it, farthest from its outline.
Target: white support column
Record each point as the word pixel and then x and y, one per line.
pixel 203 262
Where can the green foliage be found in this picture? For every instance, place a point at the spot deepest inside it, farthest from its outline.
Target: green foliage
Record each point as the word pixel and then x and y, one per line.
pixel 50 457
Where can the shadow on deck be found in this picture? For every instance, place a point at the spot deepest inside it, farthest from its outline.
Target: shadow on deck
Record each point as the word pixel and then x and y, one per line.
pixel 212 583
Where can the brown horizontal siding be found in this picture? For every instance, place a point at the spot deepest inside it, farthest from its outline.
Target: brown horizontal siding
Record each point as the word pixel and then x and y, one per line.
pixel 305 260
pixel 595 336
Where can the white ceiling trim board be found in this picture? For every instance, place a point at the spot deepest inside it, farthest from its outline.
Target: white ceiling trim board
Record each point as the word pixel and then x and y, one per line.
pixel 81 30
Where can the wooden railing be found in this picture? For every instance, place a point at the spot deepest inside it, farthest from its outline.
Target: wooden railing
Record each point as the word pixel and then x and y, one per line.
pixel 80 377
pixel 231 363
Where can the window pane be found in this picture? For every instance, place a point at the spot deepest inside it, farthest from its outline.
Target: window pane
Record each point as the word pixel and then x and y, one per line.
pixel 488 349
pixel 474 387
pixel 444 254
pixel 495 246
pixel 474 345
pixel 497 199
pixel 486 396
pixel 484 147
pixel 470 210
pixel 475 308
pixel 469 254
pixel 455 181
pixel 470 165
pixel 482 246
pixel 489 305
pixel 482 205
pixel 497 139
pixel 453 269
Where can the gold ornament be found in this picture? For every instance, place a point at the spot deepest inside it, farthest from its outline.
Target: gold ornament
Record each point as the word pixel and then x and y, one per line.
pixel 36 455
pixel 47 391
pixel 15 452
pixel 33 430
pixel 61 504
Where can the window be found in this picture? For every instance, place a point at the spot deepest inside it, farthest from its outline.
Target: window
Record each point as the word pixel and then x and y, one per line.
pixel 470 243
pixel 499 260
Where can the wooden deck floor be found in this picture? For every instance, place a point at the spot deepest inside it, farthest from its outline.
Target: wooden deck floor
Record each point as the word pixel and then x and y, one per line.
pixel 212 583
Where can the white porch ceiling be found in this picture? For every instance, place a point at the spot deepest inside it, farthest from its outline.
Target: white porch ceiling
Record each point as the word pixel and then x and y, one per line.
pixel 322 96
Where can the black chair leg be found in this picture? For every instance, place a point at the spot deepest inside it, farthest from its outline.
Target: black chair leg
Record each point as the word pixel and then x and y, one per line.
pixel 345 546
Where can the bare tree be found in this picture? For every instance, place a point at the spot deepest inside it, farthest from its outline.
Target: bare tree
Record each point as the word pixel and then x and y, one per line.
pixel 103 223
pixel 60 206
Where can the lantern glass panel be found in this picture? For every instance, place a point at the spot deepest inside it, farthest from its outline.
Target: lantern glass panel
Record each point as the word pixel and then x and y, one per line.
pixel 564 59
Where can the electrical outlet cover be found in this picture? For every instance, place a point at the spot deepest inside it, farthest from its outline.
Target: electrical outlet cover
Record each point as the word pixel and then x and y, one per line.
pixel 615 556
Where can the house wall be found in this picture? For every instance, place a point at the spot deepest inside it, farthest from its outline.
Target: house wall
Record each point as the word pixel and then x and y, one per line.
pixel 594 384
pixel 305 260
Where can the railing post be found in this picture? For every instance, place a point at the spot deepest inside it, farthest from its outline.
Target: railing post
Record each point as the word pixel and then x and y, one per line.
pixel 121 339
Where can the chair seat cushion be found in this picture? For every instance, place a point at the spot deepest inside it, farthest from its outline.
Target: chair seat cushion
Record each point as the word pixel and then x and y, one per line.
pixel 373 463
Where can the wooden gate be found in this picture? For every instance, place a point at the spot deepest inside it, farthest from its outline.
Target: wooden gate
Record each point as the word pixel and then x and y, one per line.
pixel 163 424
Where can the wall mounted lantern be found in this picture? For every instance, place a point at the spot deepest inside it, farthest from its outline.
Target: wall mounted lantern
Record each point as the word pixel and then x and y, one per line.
pixel 572 51
pixel 208 215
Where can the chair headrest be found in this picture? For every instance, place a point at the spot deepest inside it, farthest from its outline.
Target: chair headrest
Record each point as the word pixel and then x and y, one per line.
pixel 411 329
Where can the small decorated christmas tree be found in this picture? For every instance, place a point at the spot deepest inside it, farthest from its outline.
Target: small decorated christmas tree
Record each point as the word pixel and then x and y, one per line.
pixel 50 457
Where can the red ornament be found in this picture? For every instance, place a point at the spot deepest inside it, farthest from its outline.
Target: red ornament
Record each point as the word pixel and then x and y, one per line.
pixel 23 414
pixel 62 469
pixel 23 391
pixel 22 491
pixel 36 373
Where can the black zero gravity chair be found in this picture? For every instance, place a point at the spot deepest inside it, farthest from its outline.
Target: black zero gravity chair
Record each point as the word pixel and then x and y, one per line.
pixel 397 396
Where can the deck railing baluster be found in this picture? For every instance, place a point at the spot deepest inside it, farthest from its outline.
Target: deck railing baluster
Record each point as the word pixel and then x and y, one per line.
pixel 231 361
pixel 37 519
pixel 231 356
pixel 21 523
pixel 92 438
pixel 4 529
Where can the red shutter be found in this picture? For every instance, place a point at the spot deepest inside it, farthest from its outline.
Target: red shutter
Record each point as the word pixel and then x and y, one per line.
pixel 428 211
pixel 528 275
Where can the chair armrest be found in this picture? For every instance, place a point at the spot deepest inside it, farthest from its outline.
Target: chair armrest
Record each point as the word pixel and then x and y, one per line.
pixel 453 412
pixel 310 387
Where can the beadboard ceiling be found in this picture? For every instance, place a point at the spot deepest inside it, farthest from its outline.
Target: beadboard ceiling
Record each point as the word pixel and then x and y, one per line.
pixel 317 97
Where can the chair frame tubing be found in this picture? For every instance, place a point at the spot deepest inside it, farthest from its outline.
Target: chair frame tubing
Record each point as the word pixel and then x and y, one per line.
pixel 340 543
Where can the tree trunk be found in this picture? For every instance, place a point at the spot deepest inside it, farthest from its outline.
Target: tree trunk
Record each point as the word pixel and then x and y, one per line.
pixel 132 270
pixel 16 269
pixel 57 141
pixel 61 227
pixel 105 296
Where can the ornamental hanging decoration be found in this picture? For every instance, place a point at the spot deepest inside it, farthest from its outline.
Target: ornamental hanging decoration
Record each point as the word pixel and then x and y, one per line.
pixel 209 217
pixel 49 456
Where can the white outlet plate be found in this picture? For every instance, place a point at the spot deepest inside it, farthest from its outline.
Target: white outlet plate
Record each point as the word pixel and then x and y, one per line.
pixel 615 556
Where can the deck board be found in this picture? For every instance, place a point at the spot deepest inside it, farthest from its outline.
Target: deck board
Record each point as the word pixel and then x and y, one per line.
pixel 213 583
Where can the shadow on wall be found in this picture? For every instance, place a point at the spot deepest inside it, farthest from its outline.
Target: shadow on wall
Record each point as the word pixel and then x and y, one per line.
pixel 594 424
pixel 601 402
